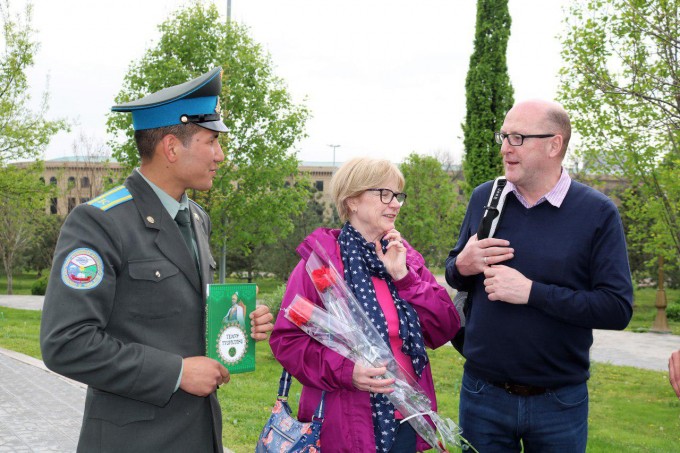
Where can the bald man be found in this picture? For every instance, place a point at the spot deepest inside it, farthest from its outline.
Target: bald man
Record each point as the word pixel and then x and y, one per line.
pixel 556 268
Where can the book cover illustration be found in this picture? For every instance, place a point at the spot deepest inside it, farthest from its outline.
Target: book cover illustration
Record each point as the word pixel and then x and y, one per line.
pixel 228 326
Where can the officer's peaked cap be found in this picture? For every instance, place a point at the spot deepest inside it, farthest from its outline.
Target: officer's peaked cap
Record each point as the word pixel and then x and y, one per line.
pixel 195 101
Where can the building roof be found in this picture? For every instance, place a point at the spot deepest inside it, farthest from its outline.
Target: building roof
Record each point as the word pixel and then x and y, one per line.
pixel 82 159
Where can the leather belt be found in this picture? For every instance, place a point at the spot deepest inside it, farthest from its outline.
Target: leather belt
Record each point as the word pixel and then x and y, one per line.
pixel 519 389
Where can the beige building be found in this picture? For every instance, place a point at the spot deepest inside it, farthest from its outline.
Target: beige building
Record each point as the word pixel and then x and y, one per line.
pixel 77 180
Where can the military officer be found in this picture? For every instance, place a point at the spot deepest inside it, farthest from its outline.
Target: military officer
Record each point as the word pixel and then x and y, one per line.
pixel 124 309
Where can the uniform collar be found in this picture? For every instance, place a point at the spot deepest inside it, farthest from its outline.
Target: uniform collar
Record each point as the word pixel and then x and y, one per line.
pixel 170 204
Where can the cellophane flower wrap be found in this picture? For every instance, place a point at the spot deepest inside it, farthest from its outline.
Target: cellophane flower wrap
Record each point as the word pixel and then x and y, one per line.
pixel 345 328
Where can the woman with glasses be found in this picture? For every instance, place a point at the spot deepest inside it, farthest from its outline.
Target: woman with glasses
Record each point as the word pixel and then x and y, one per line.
pixel 411 310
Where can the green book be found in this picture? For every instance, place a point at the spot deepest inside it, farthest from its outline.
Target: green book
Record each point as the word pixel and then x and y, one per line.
pixel 227 324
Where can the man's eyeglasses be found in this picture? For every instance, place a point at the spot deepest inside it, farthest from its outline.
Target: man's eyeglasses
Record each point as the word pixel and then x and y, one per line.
pixel 516 139
pixel 386 196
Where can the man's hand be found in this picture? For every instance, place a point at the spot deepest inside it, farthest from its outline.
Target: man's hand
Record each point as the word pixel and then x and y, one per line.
pixel 478 255
pixel 201 376
pixel 506 284
pixel 674 371
pixel 261 323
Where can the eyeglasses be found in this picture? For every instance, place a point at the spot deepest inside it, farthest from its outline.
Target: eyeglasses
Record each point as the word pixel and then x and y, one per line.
pixel 386 196
pixel 517 139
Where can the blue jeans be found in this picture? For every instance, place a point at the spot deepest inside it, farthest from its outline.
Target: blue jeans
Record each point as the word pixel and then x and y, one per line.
pixel 495 421
pixel 405 440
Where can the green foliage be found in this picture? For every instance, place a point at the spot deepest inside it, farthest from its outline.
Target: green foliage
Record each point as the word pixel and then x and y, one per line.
pixel 431 217
pixel 621 84
pixel 273 299
pixel 39 286
pixel 40 251
pixel 281 259
pixel 250 203
pixel 673 312
pixel 488 93
pixel 23 132
pixel 17 214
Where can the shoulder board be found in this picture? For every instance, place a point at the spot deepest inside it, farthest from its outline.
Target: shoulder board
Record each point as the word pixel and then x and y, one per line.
pixel 198 206
pixel 112 198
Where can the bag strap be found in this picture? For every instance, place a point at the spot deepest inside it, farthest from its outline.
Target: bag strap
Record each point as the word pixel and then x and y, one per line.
pixel 284 384
pixel 493 209
pixel 284 388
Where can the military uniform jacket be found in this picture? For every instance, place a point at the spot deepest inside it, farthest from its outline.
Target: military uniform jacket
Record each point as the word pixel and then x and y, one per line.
pixel 124 305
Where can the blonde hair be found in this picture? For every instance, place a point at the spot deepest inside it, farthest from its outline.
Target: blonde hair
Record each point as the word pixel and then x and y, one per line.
pixel 361 173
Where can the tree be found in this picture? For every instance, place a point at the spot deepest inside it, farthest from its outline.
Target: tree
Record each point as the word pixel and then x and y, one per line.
pixel 621 83
pixel 23 133
pixel 282 259
pixel 250 202
pixel 488 93
pixel 431 217
pixel 45 232
pixel 18 213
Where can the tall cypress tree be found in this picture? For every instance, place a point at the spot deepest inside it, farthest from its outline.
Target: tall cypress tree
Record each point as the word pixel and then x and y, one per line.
pixel 488 92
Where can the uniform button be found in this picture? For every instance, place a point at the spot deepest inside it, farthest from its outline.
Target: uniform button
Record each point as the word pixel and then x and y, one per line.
pixel 150 219
pixel 158 274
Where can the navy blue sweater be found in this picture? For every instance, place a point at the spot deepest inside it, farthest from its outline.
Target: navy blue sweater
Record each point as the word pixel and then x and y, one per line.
pixel 576 257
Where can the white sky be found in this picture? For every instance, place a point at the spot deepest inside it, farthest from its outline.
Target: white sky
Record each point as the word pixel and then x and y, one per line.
pixel 381 77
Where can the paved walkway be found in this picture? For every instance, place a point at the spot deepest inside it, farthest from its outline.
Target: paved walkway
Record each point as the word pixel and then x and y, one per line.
pixel 41 411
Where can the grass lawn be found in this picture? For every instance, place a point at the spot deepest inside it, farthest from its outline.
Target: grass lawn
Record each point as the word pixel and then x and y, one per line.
pixel 21 284
pixel 644 311
pixel 631 410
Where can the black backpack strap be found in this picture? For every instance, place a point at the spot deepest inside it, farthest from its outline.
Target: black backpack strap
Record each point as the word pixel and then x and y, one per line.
pixel 493 209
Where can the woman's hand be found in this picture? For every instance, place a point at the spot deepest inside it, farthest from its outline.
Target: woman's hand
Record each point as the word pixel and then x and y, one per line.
pixel 394 257
pixel 368 379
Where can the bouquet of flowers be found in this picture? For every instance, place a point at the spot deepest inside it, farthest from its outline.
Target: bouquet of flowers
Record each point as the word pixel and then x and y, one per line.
pixel 345 328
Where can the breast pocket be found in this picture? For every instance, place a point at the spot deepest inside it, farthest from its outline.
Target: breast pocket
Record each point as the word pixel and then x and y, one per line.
pixel 151 284
pixel 152 270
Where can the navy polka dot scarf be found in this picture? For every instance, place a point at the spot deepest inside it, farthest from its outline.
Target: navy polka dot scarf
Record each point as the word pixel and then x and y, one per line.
pixel 361 263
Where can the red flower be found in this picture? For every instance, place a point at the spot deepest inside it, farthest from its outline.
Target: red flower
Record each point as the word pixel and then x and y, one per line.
pixel 300 311
pixel 322 278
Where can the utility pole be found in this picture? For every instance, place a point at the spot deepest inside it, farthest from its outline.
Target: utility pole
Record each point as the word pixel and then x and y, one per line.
pixel 223 252
pixel 334 146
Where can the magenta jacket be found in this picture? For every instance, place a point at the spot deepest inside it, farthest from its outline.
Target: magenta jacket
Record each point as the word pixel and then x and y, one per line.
pixel 348 426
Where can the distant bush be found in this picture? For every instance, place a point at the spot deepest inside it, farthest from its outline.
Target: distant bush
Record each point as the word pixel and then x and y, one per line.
pixel 673 312
pixel 273 300
pixel 39 286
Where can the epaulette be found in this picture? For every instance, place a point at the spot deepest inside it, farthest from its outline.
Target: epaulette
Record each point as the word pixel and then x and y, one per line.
pixel 112 198
pixel 198 206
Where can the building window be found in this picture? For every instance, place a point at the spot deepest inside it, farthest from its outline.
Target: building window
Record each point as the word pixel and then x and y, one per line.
pixel 319 186
pixel 84 200
pixel 84 182
pixel 53 181
pixel 71 203
pixel 53 206
pixel 71 183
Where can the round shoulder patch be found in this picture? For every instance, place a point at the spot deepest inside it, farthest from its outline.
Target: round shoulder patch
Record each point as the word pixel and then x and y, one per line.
pixel 82 269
